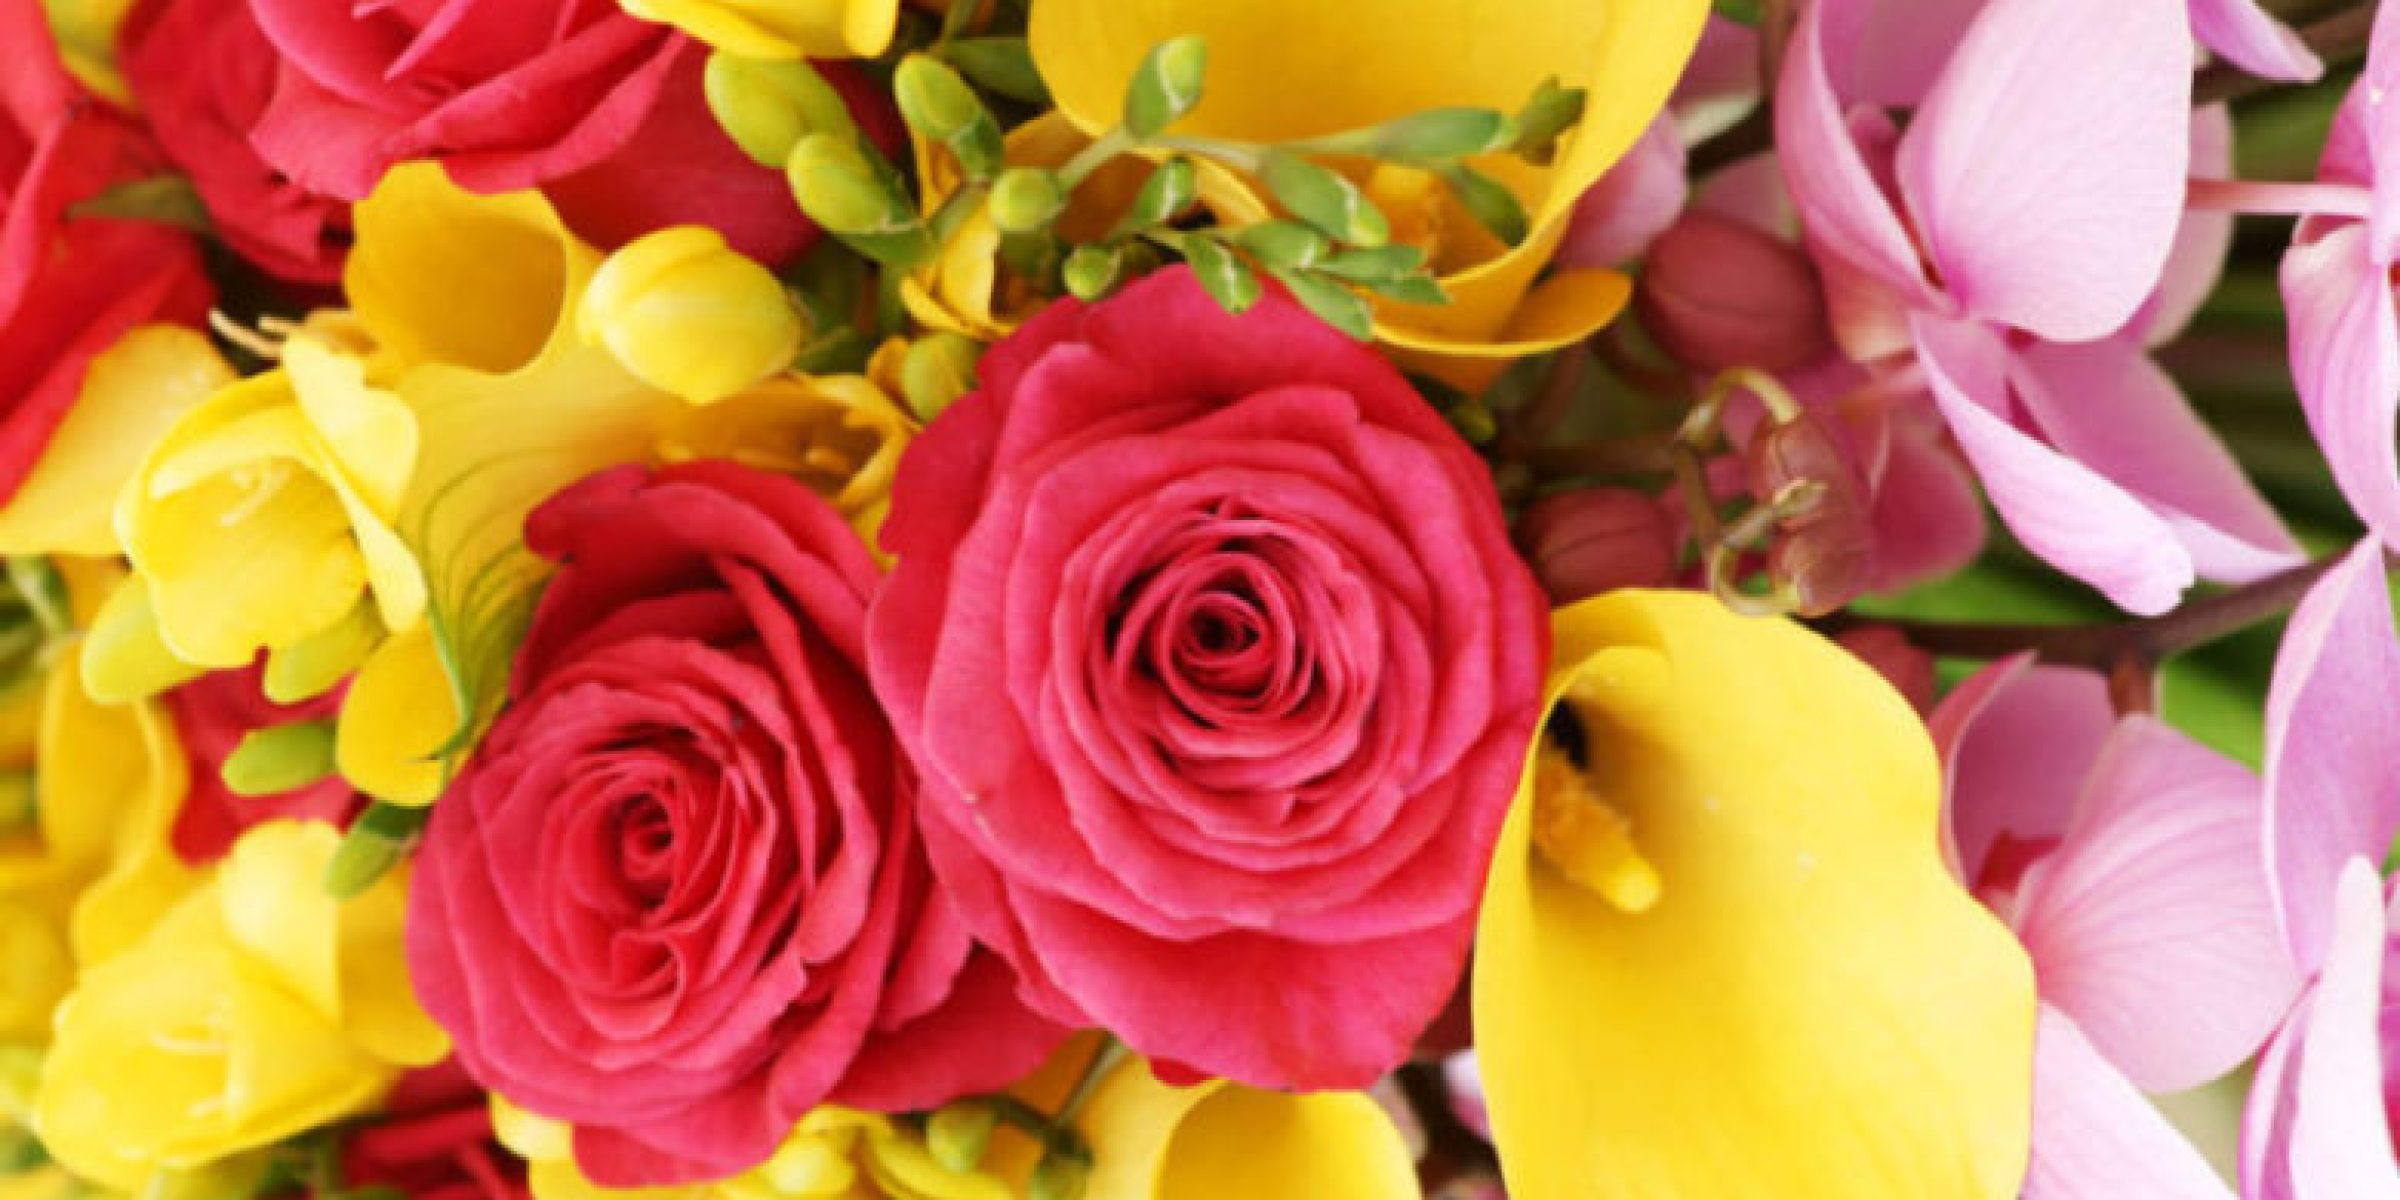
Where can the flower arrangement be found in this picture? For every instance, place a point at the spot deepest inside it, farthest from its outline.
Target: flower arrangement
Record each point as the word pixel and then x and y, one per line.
pixel 1094 600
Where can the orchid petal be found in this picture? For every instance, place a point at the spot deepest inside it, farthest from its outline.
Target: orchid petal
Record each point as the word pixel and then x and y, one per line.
pixel 2000 791
pixel 2095 1137
pixel 2046 170
pixel 2106 405
pixel 2159 892
pixel 2341 1137
pixel 2246 36
pixel 2333 746
pixel 2346 362
pixel 2071 516
pixel 2198 260
pixel 1848 213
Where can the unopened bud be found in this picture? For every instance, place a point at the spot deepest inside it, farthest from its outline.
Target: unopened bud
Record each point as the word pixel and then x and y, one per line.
pixel 933 99
pixel 958 1134
pixel 1059 1177
pixel 312 666
pixel 687 314
pixel 938 369
pixel 839 189
pixel 124 657
pixel 767 107
pixel 280 758
pixel 1166 86
pixel 1026 200
pixel 1164 195
pixel 1824 551
pixel 1442 133
pixel 1719 294
pixel 1094 271
pixel 1594 540
pixel 1823 567
pixel 1324 199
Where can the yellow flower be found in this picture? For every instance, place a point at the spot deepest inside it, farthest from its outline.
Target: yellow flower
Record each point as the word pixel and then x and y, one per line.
pixel 264 514
pixel 687 314
pixel 134 391
pixel 841 435
pixel 87 41
pixel 470 304
pixel 1280 71
pixel 1801 1002
pixel 963 290
pixel 780 29
pixel 259 1007
pixel 834 1154
pixel 1150 1141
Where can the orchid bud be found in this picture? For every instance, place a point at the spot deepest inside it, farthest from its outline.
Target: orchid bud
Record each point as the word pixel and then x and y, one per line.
pixel 1719 294
pixel 1593 540
pixel 1824 553
pixel 687 314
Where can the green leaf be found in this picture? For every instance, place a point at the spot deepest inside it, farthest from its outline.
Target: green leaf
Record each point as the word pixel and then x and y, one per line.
pixel 1227 279
pixel 1284 245
pixel 1441 133
pixel 1546 117
pixel 1166 87
pixel 1409 289
pixel 1488 200
pixel 1324 199
pixel 1332 302
pixel 1163 196
pixel 1379 263
pixel 1746 12
pixel 1000 65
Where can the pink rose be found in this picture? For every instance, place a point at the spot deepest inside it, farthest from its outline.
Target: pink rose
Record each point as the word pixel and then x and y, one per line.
pixel 676 896
pixel 203 71
pixel 1208 639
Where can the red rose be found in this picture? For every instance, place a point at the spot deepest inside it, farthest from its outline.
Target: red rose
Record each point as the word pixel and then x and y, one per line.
pixel 1208 640
pixel 212 714
pixel 432 1141
pixel 203 72
pixel 69 288
pixel 508 94
pixel 676 897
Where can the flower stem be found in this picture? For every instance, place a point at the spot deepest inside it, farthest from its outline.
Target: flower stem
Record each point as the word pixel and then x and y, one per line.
pixel 2147 642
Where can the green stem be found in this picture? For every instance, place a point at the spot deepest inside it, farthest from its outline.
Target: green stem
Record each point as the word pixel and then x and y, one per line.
pixel 1090 158
pixel 1239 155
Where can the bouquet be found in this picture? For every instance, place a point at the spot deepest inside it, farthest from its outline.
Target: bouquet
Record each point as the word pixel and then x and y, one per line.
pixel 1165 600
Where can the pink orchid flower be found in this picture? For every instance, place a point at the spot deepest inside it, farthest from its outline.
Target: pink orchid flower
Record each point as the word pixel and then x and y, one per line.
pixel 2337 289
pixel 2320 1121
pixel 2127 859
pixel 2011 244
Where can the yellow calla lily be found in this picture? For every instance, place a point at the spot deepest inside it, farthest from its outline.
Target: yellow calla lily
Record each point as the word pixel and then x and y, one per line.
pixel 264 513
pixel 835 1153
pixel 259 1007
pixel 1805 1003
pixel 962 290
pixel 1150 1141
pixel 780 29
pixel 1282 72
pixel 841 435
pixel 470 302
pixel 134 391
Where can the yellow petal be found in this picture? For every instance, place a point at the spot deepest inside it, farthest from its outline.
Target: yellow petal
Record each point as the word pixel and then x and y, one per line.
pixel 36 969
pixel 123 656
pixel 134 391
pixel 1812 1007
pixel 1280 71
pixel 840 435
pixel 687 314
pixel 780 29
pixel 1154 1142
pixel 398 715
pixel 119 775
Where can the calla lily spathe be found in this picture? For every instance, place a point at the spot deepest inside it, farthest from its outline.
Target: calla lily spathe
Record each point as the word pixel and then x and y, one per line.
pixel 1280 71
pixel 1807 1004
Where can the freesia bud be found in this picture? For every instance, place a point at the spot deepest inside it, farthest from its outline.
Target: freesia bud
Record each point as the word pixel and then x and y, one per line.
pixel 958 1134
pixel 1166 87
pixel 839 189
pixel 1026 200
pixel 1059 1177
pixel 938 369
pixel 1719 294
pixel 1594 540
pixel 687 314
pixel 941 108
pixel 767 107
pixel 280 758
pixel 1324 199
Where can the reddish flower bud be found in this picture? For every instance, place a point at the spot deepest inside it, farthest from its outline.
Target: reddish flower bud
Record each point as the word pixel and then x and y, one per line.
pixel 1595 540
pixel 1825 550
pixel 1718 294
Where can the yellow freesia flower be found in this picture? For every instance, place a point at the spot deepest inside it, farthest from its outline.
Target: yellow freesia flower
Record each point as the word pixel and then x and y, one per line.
pixel 780 29
pixel 834 1154
pixel 470 303
pixel 264 514
pixel 841 435
pixel 962 289
pixel 1150 1141
pixel 1743 970
pixel 259 1007
pixel 688 314
pixel 134 391
pixel 1281 72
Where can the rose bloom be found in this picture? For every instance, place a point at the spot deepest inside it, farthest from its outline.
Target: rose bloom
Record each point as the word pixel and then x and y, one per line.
pixel 69 288
pixel 203 72
pixel 676 896
pixel 604 111
pixel 1208 638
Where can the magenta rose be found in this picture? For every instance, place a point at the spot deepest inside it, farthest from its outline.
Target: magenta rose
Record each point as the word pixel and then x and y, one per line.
pixel 1208 639
pixel 676 897
pixel 203 71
